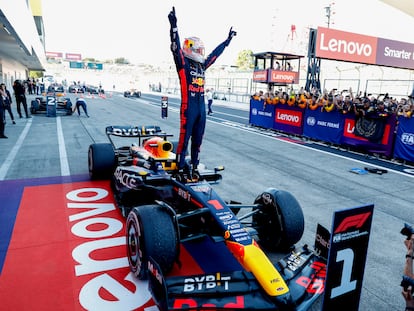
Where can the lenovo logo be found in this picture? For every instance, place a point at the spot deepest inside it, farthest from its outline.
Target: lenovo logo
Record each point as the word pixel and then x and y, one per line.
pixel 289 117
pixel 341 45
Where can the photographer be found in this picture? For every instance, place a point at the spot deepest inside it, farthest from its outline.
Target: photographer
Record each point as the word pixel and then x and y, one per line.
pixel 408 271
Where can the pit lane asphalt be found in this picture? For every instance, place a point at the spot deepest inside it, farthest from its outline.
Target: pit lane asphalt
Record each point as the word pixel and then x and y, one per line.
pixel 254 160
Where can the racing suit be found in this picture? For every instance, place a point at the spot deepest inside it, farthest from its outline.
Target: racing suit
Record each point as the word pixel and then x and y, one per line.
pixel 192 112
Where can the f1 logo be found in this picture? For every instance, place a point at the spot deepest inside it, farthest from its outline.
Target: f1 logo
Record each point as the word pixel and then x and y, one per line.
pixel 355 221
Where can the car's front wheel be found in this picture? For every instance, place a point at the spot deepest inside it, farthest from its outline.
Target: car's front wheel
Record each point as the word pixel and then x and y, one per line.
pixel 150 232
pixel 278 219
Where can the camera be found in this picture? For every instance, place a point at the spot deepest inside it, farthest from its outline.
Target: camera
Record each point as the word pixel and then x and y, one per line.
pixel 407 230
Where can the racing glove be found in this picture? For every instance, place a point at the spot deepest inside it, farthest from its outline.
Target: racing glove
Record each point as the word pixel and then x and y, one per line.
pixel 232 33
pixel 172 18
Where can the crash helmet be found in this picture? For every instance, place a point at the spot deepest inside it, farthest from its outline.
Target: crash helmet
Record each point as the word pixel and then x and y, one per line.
pixel 193 48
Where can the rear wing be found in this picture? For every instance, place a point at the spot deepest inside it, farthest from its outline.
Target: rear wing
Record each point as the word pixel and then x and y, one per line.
pixel 140 132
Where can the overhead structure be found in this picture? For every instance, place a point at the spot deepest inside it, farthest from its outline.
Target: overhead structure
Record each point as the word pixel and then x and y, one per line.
pixel 328 43
pixel 276 69
pixel 21 39
pixel 405 6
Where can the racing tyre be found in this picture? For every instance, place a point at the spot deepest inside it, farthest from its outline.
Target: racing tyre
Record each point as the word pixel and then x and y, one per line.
pixel 279 221
pixel 101 161
pixel 150 232
pixel 34 106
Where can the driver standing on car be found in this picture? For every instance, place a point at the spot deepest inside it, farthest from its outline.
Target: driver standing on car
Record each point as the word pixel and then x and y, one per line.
pixel 191 65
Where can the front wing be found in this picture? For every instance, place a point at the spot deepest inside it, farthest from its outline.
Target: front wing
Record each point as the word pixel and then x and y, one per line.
pixel 304 273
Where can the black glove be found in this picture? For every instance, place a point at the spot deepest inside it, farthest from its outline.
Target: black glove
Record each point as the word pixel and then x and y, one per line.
pixel 172 18
pixel 232 33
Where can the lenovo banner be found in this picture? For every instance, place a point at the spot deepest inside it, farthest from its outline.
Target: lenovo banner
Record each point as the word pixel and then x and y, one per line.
pixel 261 114
pixel 357 48
pixel 325 126
pixel 384 146
pixel 288 119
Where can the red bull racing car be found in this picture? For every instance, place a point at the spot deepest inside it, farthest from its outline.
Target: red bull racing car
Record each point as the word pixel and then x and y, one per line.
pixel 164 210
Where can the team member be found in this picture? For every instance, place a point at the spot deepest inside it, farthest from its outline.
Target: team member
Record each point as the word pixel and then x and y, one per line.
pixel 2 123
pixel 20 94
pixel 209 101
pixel 7 100
pixel 191 65
pixel 80 102
pixel 408 271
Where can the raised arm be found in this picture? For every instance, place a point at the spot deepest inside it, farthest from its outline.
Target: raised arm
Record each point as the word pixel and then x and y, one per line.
pixel 211 58
pixel 175 39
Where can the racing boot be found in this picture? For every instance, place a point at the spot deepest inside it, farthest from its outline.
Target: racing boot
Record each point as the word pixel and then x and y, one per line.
pixel 183 175
pixel 195 175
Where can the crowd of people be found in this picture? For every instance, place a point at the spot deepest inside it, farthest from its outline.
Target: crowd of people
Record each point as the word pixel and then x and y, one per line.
pixel 344 101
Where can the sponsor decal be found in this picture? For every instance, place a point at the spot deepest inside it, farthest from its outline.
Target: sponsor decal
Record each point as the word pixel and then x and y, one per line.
pixel 265 114
pixel 353 221
pixel 77 253
pixel 185 303
pixel 316 283
pixel 260 75
pixel 198 81
pixel 342 45
pixel 125 178
pixel 73 56
pixel 283 76
pixel 216 204
pixel 184 194
pixel 311 121
pixel 347 46
pixel 195 89
pixel 328 124
pixel 407 138
pixel 124 131
pixel 350 127
pixel 206 282
pixel 289 117
pixel 395 53
pixel 201 188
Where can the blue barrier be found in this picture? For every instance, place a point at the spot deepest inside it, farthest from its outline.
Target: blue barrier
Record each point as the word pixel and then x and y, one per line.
pixel 336 128
pixel 404 142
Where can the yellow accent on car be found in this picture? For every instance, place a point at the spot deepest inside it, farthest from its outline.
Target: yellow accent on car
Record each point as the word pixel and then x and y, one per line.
pixel 254 260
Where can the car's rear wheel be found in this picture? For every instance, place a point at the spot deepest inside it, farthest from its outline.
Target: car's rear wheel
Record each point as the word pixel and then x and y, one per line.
pixel 279 219
pixel 34 106
pixel 101 161
pixel 150 232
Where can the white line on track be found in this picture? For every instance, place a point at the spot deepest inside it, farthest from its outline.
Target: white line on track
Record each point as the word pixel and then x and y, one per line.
pixel 64 163
pixel 12 155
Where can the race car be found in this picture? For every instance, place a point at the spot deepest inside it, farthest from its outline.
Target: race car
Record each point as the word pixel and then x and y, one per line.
pixel 63 104
pixel 132 93
pixel 74 88
pixel 163 209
